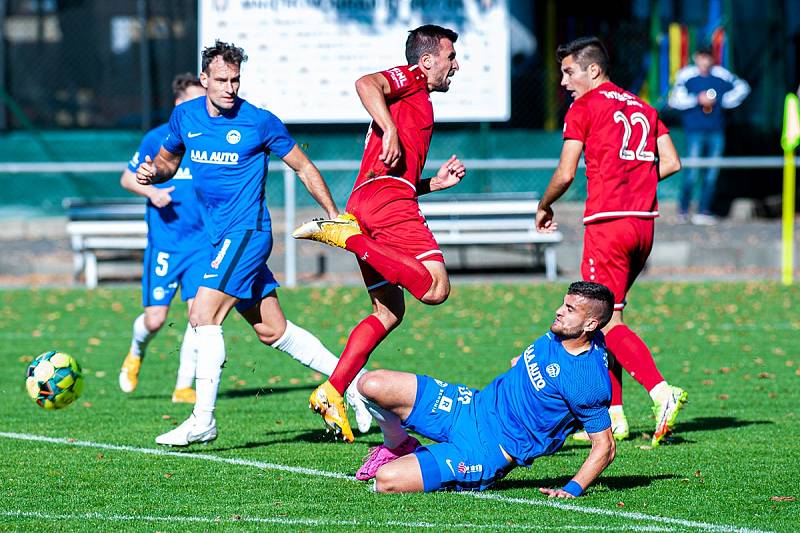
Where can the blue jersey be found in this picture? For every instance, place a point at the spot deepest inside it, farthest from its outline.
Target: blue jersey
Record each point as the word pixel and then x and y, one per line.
pixel 178 226
pixel 229 155
pixel 545 397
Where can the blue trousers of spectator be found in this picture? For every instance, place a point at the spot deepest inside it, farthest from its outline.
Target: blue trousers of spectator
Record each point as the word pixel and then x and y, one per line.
pixel 701 144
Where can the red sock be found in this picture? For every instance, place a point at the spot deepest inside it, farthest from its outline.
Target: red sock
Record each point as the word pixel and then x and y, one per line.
pixel 632 353
pixel 615 375
pixel 396 267
pixel 363 339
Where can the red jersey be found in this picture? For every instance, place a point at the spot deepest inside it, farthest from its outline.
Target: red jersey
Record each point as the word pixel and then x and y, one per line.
pixel 618 131
pixel 412 113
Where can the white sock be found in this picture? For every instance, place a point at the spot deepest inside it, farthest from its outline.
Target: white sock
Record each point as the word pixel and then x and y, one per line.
pixel 616 410
pixel 658 392
pixel 210 346
pixel 393 432
pixel 188 359
pixel 306 348
pixel 141 337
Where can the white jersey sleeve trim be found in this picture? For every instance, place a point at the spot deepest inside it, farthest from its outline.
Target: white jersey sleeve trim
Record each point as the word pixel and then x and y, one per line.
pixel 619 214
pixel 413 188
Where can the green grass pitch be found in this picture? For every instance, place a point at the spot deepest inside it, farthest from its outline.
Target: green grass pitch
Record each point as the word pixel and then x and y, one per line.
pixel 733 464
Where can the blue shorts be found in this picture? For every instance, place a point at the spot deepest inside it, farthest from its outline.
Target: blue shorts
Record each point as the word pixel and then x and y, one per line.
pixel 239 267
pixel 465 458
pixel 164 272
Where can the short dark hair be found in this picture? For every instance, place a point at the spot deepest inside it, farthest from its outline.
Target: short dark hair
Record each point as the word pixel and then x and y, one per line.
pixel 586 50
pixel 598 293
pixel 425 40
pixel 229 52
pixel 705 50
pixel 183 81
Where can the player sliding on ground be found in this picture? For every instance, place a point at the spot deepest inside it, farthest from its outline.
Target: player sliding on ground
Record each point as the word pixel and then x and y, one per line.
pixel 383 225
pixel 558 385
pixel 627 150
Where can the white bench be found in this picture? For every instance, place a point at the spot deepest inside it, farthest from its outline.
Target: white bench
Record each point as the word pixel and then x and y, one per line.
pixel 113 226
pixel 489 222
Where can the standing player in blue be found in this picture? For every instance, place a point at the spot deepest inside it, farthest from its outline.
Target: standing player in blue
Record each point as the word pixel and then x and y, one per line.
pixel 229 142
pixel 176 255
pixel 557 386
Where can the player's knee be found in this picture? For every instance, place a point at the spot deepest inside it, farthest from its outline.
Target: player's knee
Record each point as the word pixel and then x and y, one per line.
pixel 198 317
pixel 388 479
pixel 154 321
pixel 372 383
pixel 268 333
pixel 390 318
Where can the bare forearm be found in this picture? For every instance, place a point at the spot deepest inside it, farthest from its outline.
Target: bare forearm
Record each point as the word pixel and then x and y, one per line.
pixel 316 186
pixel 166 164
pixel 599 458
pixel 558 185
pixel 129 183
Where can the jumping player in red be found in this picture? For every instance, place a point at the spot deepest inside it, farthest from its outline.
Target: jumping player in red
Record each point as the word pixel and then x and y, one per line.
pixel 383 225
pixel 627 150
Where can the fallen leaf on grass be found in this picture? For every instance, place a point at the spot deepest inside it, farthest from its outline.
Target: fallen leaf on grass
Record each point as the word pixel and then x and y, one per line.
pixel 86 404
pixel 708 382
pixel 783 499
pixel 723 396
pixel 165 417
pixel 620 504
pixel 94 341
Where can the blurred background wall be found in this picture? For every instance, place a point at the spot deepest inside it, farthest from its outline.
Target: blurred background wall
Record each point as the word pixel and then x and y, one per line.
pixel 82 80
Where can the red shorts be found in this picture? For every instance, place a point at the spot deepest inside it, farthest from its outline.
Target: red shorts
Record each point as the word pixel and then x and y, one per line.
pixel 615 252
pixel 388 211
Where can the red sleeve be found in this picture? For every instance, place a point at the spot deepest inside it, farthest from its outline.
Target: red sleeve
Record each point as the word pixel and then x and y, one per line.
pixel 661 128
pixel 576 123
pixel 403 81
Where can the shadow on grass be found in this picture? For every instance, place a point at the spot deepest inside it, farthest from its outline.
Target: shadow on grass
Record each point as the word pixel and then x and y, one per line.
pixel 712 423
pixel 238 393
pixel 264 391
pixel 314 436
pixel 609 482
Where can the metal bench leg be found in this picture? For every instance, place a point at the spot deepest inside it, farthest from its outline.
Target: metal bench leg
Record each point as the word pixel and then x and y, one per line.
pixel 550 264
pixel 90 270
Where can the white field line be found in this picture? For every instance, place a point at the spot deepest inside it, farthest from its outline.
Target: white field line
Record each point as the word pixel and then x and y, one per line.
pixel 662 521
pixel 313 522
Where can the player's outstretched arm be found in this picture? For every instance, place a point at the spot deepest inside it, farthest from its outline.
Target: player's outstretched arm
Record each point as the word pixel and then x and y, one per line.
pixel 312 179
pixel 559 184
pixel 158 197
pixel 160 169
pixel 601 455
pixel 372 90
pixel 449 174
pixel 668 160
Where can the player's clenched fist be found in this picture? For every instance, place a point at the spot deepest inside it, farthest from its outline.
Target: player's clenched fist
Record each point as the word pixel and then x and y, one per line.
pixel 146 172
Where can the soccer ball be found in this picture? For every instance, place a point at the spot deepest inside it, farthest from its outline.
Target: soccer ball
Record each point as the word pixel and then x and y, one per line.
pixel 54 380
